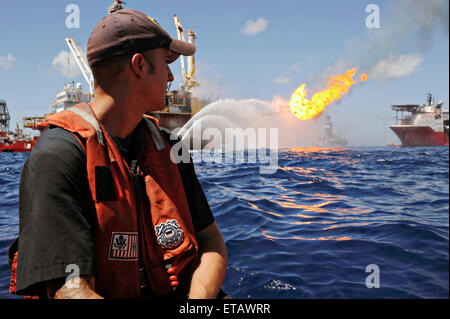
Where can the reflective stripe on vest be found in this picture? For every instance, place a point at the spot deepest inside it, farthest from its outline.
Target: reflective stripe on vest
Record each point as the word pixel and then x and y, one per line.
pixel 156 135
pixel 92 120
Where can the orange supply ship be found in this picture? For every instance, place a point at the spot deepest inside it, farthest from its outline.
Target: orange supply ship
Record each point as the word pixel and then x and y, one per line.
pixel 423 125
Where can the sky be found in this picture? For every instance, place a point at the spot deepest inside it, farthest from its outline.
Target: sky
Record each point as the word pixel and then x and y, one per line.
pixel 252 49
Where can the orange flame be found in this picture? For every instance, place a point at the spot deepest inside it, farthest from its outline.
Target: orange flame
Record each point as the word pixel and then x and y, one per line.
pixel 338 85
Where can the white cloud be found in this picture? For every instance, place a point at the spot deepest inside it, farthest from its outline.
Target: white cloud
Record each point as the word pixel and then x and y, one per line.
pixel 254 27
pixel 396 66
pixel 207 89
pixel 7 61
pixel 211 83
pixel 295 68
pixel 66 69
pixel 312 59
pixel 282 80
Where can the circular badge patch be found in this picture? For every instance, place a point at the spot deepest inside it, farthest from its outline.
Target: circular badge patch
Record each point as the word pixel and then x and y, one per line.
pixel 169 234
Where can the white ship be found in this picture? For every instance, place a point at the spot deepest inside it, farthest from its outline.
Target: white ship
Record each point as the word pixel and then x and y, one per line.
pixel 71 95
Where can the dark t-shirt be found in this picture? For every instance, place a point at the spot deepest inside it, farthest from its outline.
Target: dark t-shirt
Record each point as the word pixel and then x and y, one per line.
pixel 57 212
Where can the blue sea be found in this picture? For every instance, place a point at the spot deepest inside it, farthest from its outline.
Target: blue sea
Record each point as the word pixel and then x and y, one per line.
pixel 329 223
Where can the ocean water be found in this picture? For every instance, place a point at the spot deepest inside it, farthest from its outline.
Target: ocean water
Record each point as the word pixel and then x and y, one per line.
pixel 311 229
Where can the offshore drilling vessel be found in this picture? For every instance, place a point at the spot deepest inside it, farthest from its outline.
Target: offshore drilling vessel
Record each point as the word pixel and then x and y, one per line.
pixel 327 138
pixel 424 125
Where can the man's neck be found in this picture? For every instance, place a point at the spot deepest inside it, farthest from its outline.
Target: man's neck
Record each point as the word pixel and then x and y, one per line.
pixel 119 116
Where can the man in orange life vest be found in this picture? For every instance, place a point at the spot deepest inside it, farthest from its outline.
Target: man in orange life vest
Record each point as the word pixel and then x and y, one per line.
pixel 99 193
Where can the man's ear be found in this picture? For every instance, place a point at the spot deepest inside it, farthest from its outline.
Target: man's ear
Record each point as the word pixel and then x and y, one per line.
pixel 137 62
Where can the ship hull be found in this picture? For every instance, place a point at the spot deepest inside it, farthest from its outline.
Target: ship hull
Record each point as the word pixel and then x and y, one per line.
pixel 171 120
pixel 419 136
pixel 18 146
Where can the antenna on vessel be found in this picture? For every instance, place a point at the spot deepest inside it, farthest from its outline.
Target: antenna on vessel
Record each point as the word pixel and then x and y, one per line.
pixel 429 98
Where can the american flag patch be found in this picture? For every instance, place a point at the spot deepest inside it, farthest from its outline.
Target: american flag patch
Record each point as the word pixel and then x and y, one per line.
pixel 124 246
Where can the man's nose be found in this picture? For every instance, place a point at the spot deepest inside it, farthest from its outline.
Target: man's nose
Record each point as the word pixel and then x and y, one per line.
pixel 170 77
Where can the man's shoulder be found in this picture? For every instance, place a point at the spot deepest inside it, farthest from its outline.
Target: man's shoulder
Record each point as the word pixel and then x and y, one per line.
pixel 55 138
pixel 56 144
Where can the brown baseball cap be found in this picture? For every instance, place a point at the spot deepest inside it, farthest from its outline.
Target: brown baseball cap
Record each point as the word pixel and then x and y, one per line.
pixel 129 31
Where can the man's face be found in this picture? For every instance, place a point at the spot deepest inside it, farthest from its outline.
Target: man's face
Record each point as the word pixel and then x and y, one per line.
pixel 158 77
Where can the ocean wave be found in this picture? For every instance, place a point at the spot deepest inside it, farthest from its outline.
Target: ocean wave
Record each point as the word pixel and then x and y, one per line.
pixel 310 229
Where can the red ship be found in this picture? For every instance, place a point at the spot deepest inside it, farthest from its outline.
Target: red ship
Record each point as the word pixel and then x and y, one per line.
pixel 423 125
pixel 16 145
pixel 10 142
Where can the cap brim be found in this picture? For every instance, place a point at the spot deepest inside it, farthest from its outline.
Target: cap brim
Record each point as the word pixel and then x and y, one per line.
pixel 181 48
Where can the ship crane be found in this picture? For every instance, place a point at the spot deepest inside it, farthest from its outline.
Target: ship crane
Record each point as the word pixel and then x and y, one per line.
pixel 188 78
pixel 82 64
pixel 117 5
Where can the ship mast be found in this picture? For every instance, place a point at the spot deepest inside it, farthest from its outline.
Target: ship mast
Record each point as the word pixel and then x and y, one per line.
pixel 429 98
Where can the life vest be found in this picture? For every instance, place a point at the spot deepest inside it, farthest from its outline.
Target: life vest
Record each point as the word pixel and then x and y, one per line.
pixel 163 226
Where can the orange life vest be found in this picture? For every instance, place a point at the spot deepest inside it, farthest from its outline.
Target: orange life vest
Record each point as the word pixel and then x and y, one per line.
pixel 164 229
